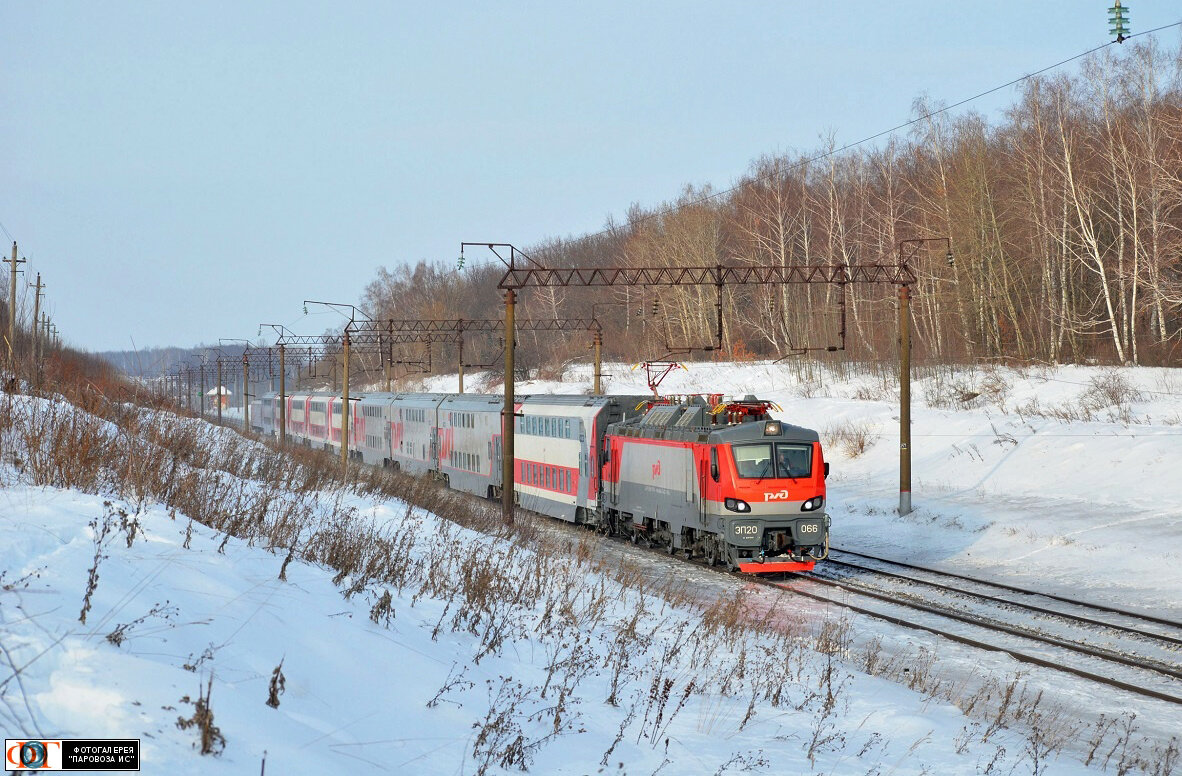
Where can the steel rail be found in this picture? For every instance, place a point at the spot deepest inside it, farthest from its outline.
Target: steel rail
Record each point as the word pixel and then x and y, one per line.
pixel 1019 656
pixel 1016 604
pixel 1001 627
pixel 1013 589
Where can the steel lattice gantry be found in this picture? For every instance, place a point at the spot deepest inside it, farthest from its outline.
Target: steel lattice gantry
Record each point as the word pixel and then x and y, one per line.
pixel 721 276
pixel 453 330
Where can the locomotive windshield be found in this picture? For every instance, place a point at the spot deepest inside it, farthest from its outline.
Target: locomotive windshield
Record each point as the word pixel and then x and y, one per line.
pixel 757 461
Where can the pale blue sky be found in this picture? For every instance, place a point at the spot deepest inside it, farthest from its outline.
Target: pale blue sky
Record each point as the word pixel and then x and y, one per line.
pixel 182 172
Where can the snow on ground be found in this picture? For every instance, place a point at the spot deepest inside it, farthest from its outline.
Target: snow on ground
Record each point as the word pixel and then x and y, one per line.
pixel 358 694
pixel 1004 488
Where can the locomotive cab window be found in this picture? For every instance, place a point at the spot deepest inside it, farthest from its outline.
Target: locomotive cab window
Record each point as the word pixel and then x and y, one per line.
pixel 758 462
pixel 794 460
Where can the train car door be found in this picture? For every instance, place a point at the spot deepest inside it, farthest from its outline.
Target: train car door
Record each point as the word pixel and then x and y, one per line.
pixel 498 467
pixel 703 473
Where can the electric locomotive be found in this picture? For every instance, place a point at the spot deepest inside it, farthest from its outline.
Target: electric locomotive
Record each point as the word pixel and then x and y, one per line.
pixel 723 480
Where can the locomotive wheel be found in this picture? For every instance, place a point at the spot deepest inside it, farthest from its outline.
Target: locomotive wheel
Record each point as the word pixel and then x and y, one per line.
pixel 671 548
pixel 711 552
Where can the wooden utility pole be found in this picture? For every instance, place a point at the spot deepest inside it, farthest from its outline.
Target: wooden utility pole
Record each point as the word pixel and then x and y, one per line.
pixel 245 393
pixel 282 396
pixel 344 405
pixel 36 319
pixel 460 346
pixel 221 390
pixel 904 400
pixel 12 308
pixel 508 479
pixel 598 362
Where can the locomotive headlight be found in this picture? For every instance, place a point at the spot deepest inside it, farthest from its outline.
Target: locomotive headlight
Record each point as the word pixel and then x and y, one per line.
pixel 771 428
pixel 813 504
pixel 736 505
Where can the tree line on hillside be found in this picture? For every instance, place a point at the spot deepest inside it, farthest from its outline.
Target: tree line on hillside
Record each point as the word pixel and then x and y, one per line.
pixel 1065 221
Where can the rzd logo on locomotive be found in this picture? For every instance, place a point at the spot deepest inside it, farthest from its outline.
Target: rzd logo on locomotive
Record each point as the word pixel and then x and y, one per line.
pixel 779 495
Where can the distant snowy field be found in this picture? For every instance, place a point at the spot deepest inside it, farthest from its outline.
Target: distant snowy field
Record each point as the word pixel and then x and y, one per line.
pixel 1034 479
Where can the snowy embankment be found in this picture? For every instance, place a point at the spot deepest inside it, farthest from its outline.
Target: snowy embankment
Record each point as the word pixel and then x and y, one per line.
pixel 445 649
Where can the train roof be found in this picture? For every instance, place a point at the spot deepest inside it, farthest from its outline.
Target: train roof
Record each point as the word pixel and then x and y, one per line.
pixel 581 400
pixel 695 420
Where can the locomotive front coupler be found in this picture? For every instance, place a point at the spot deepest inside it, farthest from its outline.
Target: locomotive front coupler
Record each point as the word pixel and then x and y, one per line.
pixel 800 557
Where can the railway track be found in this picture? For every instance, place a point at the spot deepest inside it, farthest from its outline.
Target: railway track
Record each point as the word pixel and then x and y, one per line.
pixel 1118 648
pixel 1137 623
pixel 1125 650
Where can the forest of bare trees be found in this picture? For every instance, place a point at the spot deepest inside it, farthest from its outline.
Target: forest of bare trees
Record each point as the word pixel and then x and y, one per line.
pixel 1065 220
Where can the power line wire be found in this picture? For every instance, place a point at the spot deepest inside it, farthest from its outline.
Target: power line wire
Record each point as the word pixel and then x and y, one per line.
pixel 804 162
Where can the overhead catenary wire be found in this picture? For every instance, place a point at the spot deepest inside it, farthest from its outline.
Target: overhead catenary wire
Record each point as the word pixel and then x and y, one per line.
pixel 854 144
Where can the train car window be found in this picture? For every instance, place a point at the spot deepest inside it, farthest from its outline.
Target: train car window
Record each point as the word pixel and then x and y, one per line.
pixel 714 463
pixel 794 460
pixel 754 461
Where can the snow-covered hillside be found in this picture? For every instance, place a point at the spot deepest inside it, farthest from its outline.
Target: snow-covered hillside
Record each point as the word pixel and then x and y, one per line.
pixel 461 651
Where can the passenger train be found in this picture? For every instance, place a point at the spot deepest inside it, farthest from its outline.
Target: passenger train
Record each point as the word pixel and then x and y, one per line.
pixel 705 477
